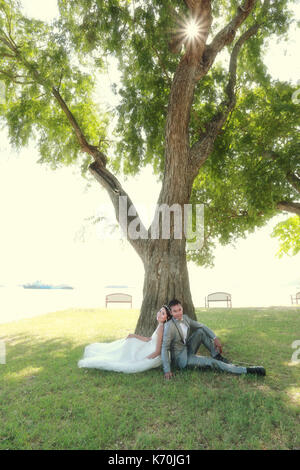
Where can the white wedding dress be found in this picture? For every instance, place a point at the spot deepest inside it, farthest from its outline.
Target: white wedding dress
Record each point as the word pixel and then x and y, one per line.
pixel 124 355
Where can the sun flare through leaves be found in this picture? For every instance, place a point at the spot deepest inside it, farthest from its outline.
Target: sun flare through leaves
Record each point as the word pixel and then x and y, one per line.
pixel 192 31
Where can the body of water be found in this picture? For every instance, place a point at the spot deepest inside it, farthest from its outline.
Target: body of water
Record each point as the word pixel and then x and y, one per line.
pixel 17 303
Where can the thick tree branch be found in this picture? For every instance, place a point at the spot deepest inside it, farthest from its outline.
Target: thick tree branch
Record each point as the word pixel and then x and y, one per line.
pixel 98 167
pixel 115 191
pixel 85 146
pixel 230 89
pixel 294 181
pixel 202 149
pixel 106 179
pixel 32 69
pixel 292 178
pixel 182 94
pixel 183 87
pixel 191 3
pixel 293 207
pixel 201 17
pixel 225 36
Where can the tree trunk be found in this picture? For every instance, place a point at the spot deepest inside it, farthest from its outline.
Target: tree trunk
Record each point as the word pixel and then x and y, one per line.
pixel 166 273
pixel 166 277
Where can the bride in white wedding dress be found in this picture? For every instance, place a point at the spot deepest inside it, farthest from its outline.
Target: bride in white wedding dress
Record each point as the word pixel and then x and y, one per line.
pixel 132 354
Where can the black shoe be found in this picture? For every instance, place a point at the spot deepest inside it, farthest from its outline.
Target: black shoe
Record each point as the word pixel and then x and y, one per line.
pixel 222 359
pixel 256 370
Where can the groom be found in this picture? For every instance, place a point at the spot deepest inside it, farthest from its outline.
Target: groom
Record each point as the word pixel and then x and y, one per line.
pixel 182 346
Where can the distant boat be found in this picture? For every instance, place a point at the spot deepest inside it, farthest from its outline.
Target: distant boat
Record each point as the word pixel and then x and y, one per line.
pixel 62 286
pixel 40 285
pixel 117 287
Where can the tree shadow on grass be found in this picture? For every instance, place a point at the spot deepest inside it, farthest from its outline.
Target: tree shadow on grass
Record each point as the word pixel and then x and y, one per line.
pixel 263 337
pixel 115 410
pixel 57 354
pixel 25 351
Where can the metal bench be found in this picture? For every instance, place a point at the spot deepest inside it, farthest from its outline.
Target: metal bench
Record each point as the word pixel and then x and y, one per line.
pixel 295 298
pixel 218 297
pixel 118 298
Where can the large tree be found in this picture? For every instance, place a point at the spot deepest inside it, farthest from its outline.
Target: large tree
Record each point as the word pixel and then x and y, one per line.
pixel 181 111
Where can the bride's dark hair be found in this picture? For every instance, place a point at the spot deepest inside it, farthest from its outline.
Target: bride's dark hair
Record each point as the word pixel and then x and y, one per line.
pixel 167 308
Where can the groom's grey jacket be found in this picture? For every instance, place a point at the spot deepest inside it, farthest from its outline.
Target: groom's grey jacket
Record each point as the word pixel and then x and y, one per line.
pixel 173 347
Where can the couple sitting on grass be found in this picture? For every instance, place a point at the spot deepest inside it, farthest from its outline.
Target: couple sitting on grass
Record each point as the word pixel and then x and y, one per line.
pixel 171 343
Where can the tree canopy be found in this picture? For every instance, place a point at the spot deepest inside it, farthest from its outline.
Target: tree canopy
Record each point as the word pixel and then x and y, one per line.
pixel 50 75
pixel 288 233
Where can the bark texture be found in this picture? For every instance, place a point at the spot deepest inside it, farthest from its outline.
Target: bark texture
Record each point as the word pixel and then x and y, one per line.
pixel 166 273
pixel 293 207
pixel 166 277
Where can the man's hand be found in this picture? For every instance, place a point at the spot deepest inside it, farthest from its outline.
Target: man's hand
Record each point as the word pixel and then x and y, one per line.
pixel 218 345
pixel 168 375
pixel 132 335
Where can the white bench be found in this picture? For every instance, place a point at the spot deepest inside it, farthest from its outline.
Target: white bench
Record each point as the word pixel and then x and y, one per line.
pixel 295 298
pixel 118 298
pixel 218 297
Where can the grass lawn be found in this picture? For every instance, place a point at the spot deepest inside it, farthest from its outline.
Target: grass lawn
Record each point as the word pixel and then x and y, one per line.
pixel 47 402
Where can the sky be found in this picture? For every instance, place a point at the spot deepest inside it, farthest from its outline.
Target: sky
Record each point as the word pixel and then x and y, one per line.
pixel 43 213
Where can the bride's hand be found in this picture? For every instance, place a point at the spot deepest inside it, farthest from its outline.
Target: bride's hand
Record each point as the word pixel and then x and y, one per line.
pixel 152 356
